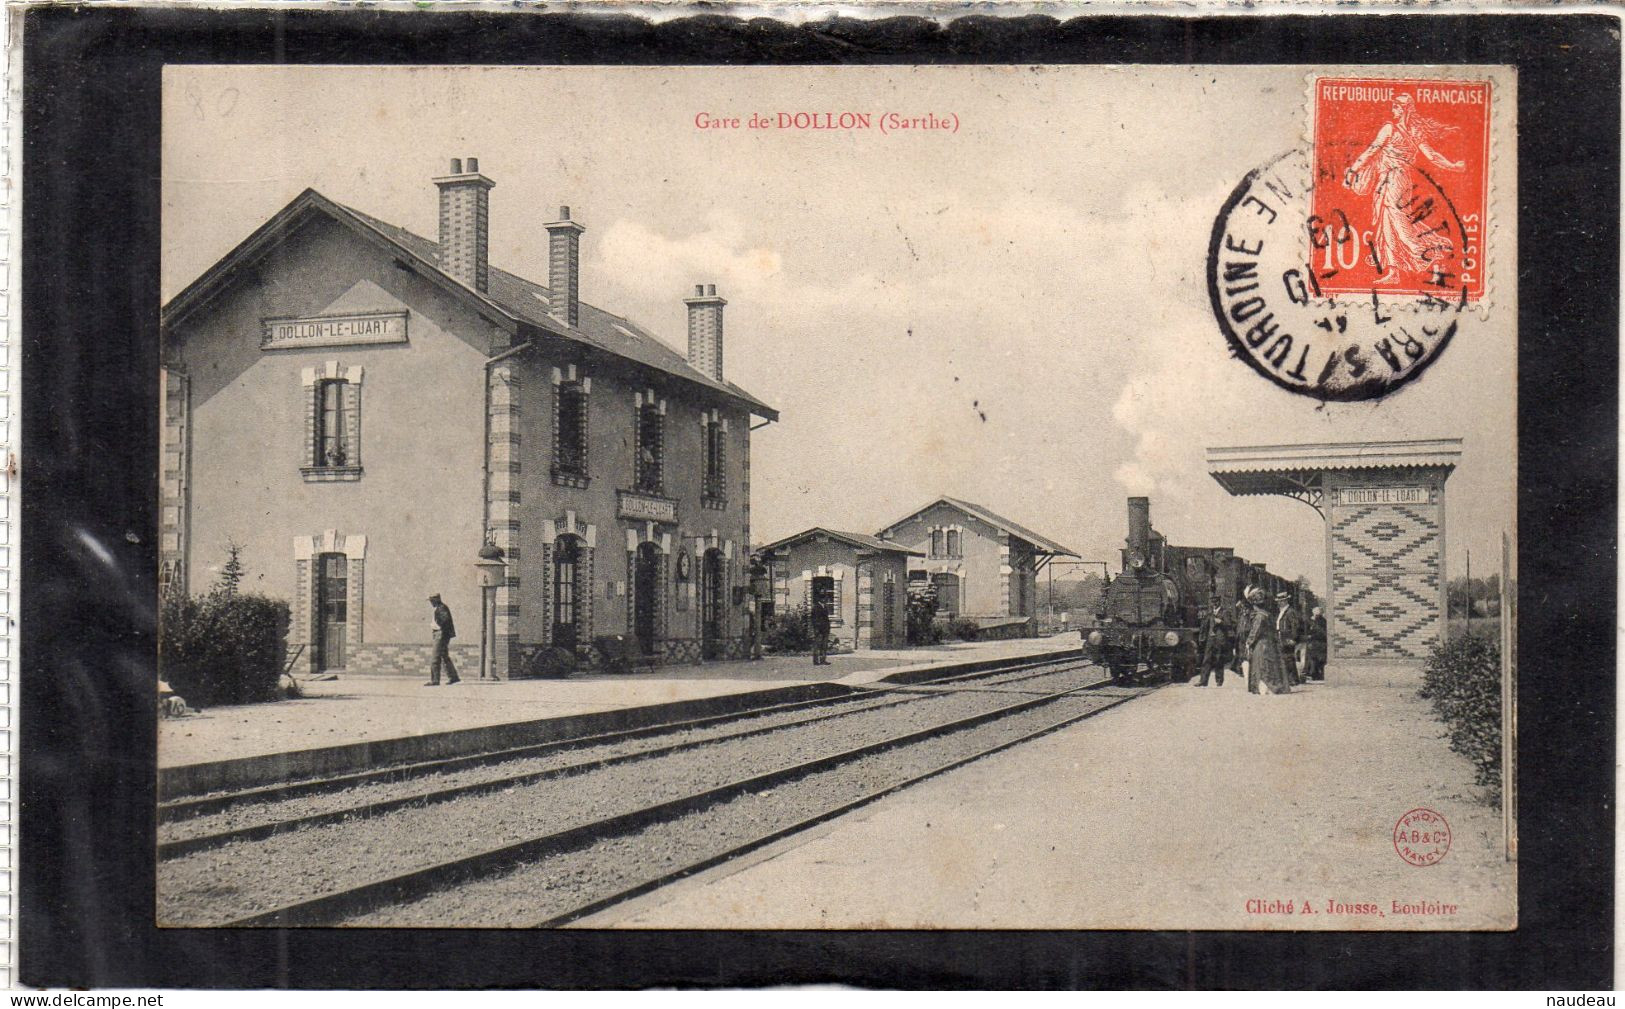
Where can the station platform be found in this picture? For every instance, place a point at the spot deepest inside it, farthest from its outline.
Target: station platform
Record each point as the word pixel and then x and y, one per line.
pixel 1187 808
pixel 353 719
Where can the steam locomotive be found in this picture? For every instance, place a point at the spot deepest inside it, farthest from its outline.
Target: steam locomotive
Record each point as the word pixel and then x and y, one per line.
pixel 1148 624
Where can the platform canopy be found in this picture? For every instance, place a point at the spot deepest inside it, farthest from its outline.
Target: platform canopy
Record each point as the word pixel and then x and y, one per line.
pixel 1298 471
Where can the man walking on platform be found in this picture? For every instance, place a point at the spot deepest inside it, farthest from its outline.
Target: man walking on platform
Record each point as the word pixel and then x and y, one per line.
pixel 1289 627
pixel 1219 644
pixel 444 631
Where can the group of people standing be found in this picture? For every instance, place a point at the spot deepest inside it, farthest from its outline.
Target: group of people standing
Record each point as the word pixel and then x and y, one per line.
pixel 1272 645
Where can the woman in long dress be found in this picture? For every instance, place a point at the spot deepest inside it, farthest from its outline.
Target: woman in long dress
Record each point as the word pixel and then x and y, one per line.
pixel 1400 239
pixel 1266 674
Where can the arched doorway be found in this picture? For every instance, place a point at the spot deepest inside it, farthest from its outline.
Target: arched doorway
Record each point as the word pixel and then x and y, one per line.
pixel 711 603
pixel 646 598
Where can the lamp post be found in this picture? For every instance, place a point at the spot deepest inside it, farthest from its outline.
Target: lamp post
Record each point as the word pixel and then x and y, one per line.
pixel 493 571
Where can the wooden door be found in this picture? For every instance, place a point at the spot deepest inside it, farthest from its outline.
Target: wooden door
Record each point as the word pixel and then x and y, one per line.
pixel 332 608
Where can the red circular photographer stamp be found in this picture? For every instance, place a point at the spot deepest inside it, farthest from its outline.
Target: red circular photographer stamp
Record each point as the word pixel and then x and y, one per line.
pixel 1422 837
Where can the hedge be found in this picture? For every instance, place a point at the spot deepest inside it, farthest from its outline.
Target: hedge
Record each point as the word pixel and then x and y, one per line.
pixel 1462 678
pixel 222 647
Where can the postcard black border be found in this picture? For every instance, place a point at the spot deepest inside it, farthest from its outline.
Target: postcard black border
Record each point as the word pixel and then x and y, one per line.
pixel 90 156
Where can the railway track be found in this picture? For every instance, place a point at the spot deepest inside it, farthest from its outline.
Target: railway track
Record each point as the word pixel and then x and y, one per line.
pixel 613 817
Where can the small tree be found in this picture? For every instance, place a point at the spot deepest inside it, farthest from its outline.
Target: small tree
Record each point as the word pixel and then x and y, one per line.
pixel 231 576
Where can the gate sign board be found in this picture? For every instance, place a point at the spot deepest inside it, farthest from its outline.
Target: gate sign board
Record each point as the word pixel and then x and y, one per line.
pixel 334 330
pixel 1380 495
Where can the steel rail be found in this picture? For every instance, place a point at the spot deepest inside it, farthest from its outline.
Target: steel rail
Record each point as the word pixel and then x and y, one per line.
pixel 259 831
pixel 762 840
pixel 335 906
pixel 185 809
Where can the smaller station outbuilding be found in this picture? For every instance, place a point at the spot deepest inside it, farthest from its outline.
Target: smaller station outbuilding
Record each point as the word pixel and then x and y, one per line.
pixel 984 566
pixel 863 580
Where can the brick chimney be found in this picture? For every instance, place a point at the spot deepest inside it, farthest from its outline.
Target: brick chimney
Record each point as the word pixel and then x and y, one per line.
pixel 705 330
pixel 564 268
pixel 465 223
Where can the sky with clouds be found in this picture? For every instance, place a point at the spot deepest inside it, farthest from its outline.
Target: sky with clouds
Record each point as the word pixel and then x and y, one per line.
pixel 1015 313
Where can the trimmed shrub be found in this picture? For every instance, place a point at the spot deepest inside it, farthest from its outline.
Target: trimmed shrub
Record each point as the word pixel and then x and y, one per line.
pixel 964 628
pixel 922 616
pixel 1462 678
pixel 790 632
pixel 223 647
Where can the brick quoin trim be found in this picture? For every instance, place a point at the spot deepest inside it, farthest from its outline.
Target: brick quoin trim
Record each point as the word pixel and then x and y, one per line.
pixel 502 508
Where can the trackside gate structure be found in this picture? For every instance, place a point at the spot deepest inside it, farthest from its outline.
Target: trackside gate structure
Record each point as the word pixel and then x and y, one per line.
pixel 1383 507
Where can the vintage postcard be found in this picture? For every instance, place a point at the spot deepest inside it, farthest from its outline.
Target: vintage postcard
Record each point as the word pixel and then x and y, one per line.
pixel 944 497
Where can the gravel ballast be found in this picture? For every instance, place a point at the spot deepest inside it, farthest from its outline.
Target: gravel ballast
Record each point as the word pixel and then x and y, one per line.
pixel 244 878
pixel 565 882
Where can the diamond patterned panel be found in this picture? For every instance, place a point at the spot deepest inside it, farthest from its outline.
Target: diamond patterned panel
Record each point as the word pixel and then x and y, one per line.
pixel 1385 580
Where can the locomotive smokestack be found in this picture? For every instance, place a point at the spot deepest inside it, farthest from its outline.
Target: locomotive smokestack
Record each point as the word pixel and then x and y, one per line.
pixel 1139 526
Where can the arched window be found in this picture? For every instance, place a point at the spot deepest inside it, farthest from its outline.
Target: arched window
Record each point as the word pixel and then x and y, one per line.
pixel 570 430
pixel 716 440
pixel 651 449
pixel 332 439
pixel 937 543
pixel 953 543
pixel 566 597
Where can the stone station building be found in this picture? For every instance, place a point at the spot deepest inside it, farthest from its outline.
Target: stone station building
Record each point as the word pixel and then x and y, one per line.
pixel 362 409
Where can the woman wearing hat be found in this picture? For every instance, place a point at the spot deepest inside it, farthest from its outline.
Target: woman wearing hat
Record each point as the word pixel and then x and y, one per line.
pixel 1265 672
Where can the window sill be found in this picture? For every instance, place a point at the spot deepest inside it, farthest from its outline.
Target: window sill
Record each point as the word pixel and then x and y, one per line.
pixel 715 504
pixel 330 474
pixel 564 478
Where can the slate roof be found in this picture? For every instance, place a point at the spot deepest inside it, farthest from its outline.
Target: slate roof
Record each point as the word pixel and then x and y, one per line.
pixel 997 521
pixel 858 540
pixel 514 297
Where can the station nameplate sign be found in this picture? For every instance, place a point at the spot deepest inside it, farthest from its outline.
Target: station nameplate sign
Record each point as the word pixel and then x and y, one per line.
pixel 334 330
pixel 1381 495
pixel 647 507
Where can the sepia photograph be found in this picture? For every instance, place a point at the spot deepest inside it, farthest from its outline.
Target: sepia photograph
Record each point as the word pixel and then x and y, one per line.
pixel 838 497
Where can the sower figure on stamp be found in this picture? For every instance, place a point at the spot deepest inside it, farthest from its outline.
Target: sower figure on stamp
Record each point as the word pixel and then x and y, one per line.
pixel 1289 628
pixel 1399 241
pixel 1219 643
pixel 444 631
pixel 820 631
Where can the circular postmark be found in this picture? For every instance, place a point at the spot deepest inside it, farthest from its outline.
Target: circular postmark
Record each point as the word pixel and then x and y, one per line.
pixel 1422 837
pixel 1279 258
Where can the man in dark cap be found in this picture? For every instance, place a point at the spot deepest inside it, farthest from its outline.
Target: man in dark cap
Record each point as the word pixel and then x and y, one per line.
pixel 819 618
pixel 1218 643
pixel 444 631
pixel 1289 626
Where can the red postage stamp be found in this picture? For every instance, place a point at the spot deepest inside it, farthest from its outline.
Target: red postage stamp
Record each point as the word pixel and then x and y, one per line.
pixel 1422 837
pixel 1401 187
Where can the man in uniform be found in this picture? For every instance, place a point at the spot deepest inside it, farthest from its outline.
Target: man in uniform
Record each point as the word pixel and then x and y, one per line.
pixel 1315 646
pixel 820 630
pixel 1219 643
pixel 1289 626
pixel 444 631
